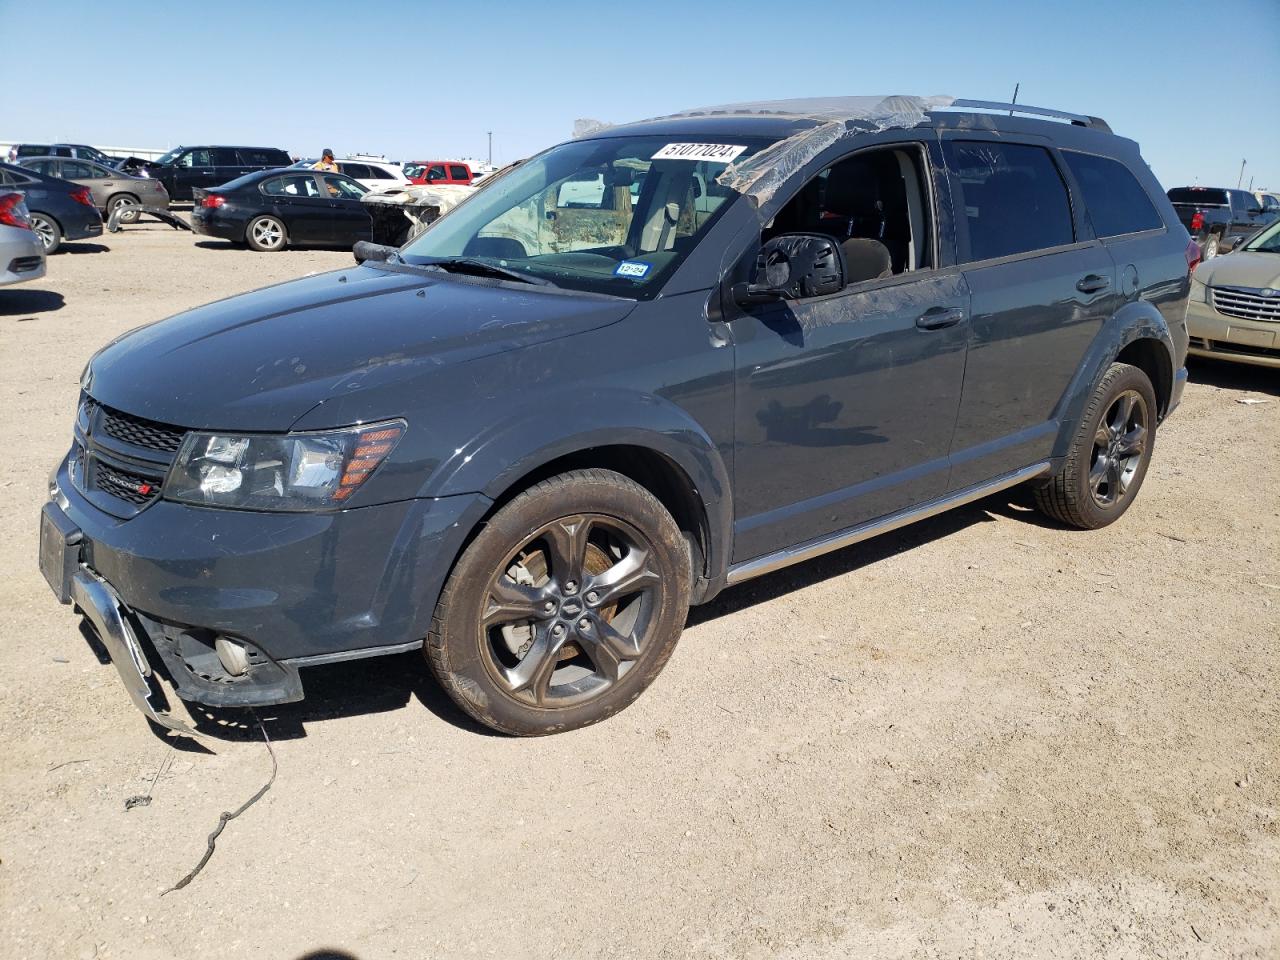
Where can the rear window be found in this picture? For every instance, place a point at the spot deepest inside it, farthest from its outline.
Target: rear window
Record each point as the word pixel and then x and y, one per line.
pixel 1116 201
pixel 1014 198
pixel 1200 196
pixel 32 150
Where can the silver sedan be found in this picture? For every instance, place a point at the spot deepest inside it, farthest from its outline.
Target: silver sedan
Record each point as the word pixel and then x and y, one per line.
pixel 21 253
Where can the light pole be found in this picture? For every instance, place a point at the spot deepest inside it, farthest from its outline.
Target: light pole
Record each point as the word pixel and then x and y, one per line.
pixel 490 148
pixel 1240 179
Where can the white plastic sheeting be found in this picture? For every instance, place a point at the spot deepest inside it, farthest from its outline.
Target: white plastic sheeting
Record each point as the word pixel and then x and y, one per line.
pixel 760 175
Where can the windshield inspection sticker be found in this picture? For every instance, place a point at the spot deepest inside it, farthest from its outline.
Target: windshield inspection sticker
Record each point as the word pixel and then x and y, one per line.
pixel 633 269
pixel 714 152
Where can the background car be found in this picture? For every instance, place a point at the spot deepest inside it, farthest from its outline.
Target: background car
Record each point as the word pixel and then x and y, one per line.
pixel 111 188
pixel 21 253
pixel 59 210
pixel 438 172
pixel 274 209
pixel 374 174
pixel 81 151
pixel 1218 217
pixel 1234 309
pixel 183 169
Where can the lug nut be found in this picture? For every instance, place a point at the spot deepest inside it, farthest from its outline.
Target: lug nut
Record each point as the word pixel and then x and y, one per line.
pixel 558 630
pixel 592 597
pixel 571 586
pixel 549 606
pixel 584 624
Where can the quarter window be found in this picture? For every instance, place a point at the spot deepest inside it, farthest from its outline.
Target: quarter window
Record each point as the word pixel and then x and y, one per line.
pixel 1116 201
pixel 1013 198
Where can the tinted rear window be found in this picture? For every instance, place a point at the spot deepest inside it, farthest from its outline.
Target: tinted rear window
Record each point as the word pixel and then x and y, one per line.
pixel 1116 201
pixel 32 150
pixel 1201 196
pixel 459 173
pixel 1014 198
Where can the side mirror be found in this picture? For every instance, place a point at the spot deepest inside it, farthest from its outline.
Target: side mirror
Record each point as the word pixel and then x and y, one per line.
pixel 373 252
pixel 1255 209
pixel 794 266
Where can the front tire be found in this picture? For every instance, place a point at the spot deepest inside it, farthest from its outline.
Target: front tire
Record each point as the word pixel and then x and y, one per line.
pixel 266 235
pixel 565 606
pixel 1110 454
pixel 47 230
pixel 1212 245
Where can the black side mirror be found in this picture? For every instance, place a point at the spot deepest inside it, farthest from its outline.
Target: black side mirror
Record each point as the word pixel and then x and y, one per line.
pixel 373 252
pixel 794 266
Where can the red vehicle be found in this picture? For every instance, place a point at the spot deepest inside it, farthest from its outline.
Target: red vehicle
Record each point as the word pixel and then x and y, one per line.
pixel 436 172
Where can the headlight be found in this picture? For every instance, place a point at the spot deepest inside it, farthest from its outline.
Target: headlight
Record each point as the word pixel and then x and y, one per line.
pixel 297 471
pixel 1199 291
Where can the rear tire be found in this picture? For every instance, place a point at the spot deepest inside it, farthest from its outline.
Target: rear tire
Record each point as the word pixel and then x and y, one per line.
pixel 565 606
pixel 266 235
pixel 1109 456
pixel 48 230
pixel 124 200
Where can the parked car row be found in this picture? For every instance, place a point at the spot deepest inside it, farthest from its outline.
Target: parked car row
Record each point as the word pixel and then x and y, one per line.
pixel 59 210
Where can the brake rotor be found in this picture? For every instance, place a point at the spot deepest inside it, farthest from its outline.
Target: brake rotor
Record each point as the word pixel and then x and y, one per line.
pixel 530 569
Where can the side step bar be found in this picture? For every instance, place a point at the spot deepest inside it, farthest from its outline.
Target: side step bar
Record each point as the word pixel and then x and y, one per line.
pixel 851 535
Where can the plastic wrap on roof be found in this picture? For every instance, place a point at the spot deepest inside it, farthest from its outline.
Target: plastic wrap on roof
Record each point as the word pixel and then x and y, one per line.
pixel 760 175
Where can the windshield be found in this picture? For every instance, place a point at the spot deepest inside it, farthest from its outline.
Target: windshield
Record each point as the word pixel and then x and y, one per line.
pixel 1268 241
pixel 414 169
pixel 1200 196
pixel 616 215
pixel 170 156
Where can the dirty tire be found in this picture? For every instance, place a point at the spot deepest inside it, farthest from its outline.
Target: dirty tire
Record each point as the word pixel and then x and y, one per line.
pixel 124 200
pixel 589 557
pixel 1211 247
pixel 266 235
pixel 48 231
pixel 1072 496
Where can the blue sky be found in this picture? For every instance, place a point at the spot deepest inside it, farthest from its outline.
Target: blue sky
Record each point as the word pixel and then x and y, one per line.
pixel 1197 84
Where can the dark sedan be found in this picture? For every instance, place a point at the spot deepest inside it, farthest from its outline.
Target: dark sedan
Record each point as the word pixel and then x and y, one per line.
pixel 59 210
pixel 273 209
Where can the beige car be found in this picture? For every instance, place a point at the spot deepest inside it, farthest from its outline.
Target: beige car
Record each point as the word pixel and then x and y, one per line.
pixel 1234 310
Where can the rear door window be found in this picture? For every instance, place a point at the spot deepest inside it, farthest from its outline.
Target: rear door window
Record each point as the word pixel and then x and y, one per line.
pixel 298 185
pixel 78 170
pixel 459 173
pixel 1014 198
pixel 1116 202
pixel 47 167
pixel 225 157
pixel 250 157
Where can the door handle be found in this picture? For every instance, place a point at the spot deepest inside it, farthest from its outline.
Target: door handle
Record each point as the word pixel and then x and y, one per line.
pixel 1092 283
pixel 937 318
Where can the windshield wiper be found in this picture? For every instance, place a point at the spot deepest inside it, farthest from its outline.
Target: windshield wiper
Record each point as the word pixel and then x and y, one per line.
pixel 481 268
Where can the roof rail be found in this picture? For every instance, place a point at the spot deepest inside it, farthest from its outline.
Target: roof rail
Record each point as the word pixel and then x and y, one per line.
pixel 1078 119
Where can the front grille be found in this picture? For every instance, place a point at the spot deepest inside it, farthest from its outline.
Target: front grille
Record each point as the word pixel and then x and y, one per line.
pixel 1246 304
pixel 132 487
pixel 147 434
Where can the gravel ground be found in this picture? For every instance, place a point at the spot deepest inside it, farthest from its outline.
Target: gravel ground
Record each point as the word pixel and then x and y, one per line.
pixel 982 736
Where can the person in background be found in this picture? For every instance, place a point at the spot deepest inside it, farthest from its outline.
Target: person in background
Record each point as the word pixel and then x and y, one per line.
pixel 326 162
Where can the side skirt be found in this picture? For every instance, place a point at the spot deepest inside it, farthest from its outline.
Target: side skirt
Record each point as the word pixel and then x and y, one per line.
pixel 851 535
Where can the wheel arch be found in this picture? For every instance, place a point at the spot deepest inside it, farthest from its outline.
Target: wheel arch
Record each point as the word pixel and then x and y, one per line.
pixel 1137 334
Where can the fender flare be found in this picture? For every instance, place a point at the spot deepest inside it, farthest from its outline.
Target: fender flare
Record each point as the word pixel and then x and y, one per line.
pixel 1134 321
pixel 494 462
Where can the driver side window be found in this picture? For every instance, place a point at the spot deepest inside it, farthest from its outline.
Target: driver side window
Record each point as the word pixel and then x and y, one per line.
pixel 875 204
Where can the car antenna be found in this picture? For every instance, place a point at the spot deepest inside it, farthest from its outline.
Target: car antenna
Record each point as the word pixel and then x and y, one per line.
pixel 1014 101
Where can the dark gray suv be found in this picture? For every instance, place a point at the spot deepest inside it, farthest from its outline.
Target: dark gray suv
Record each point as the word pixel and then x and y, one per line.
pixel 637 368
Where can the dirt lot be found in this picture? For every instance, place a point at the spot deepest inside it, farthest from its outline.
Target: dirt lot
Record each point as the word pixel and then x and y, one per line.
pixel 980 737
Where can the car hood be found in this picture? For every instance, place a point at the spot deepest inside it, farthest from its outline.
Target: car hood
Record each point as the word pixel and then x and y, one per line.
pixel 261 360
pixel 1241 269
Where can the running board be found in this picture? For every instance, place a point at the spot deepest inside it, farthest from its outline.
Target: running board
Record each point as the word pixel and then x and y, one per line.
pixel 844 538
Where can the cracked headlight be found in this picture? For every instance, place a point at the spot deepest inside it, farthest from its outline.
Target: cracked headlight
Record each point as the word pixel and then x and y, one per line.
pixel 296 471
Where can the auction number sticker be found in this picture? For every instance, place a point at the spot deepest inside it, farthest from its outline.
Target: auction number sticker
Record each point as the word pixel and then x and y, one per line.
pixel 633 269
pixel 714 152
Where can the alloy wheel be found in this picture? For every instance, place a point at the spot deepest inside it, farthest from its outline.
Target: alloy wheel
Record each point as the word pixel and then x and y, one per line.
pixel 1118 447
pixel 45 230
pixel 267 233
pixel 570 612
